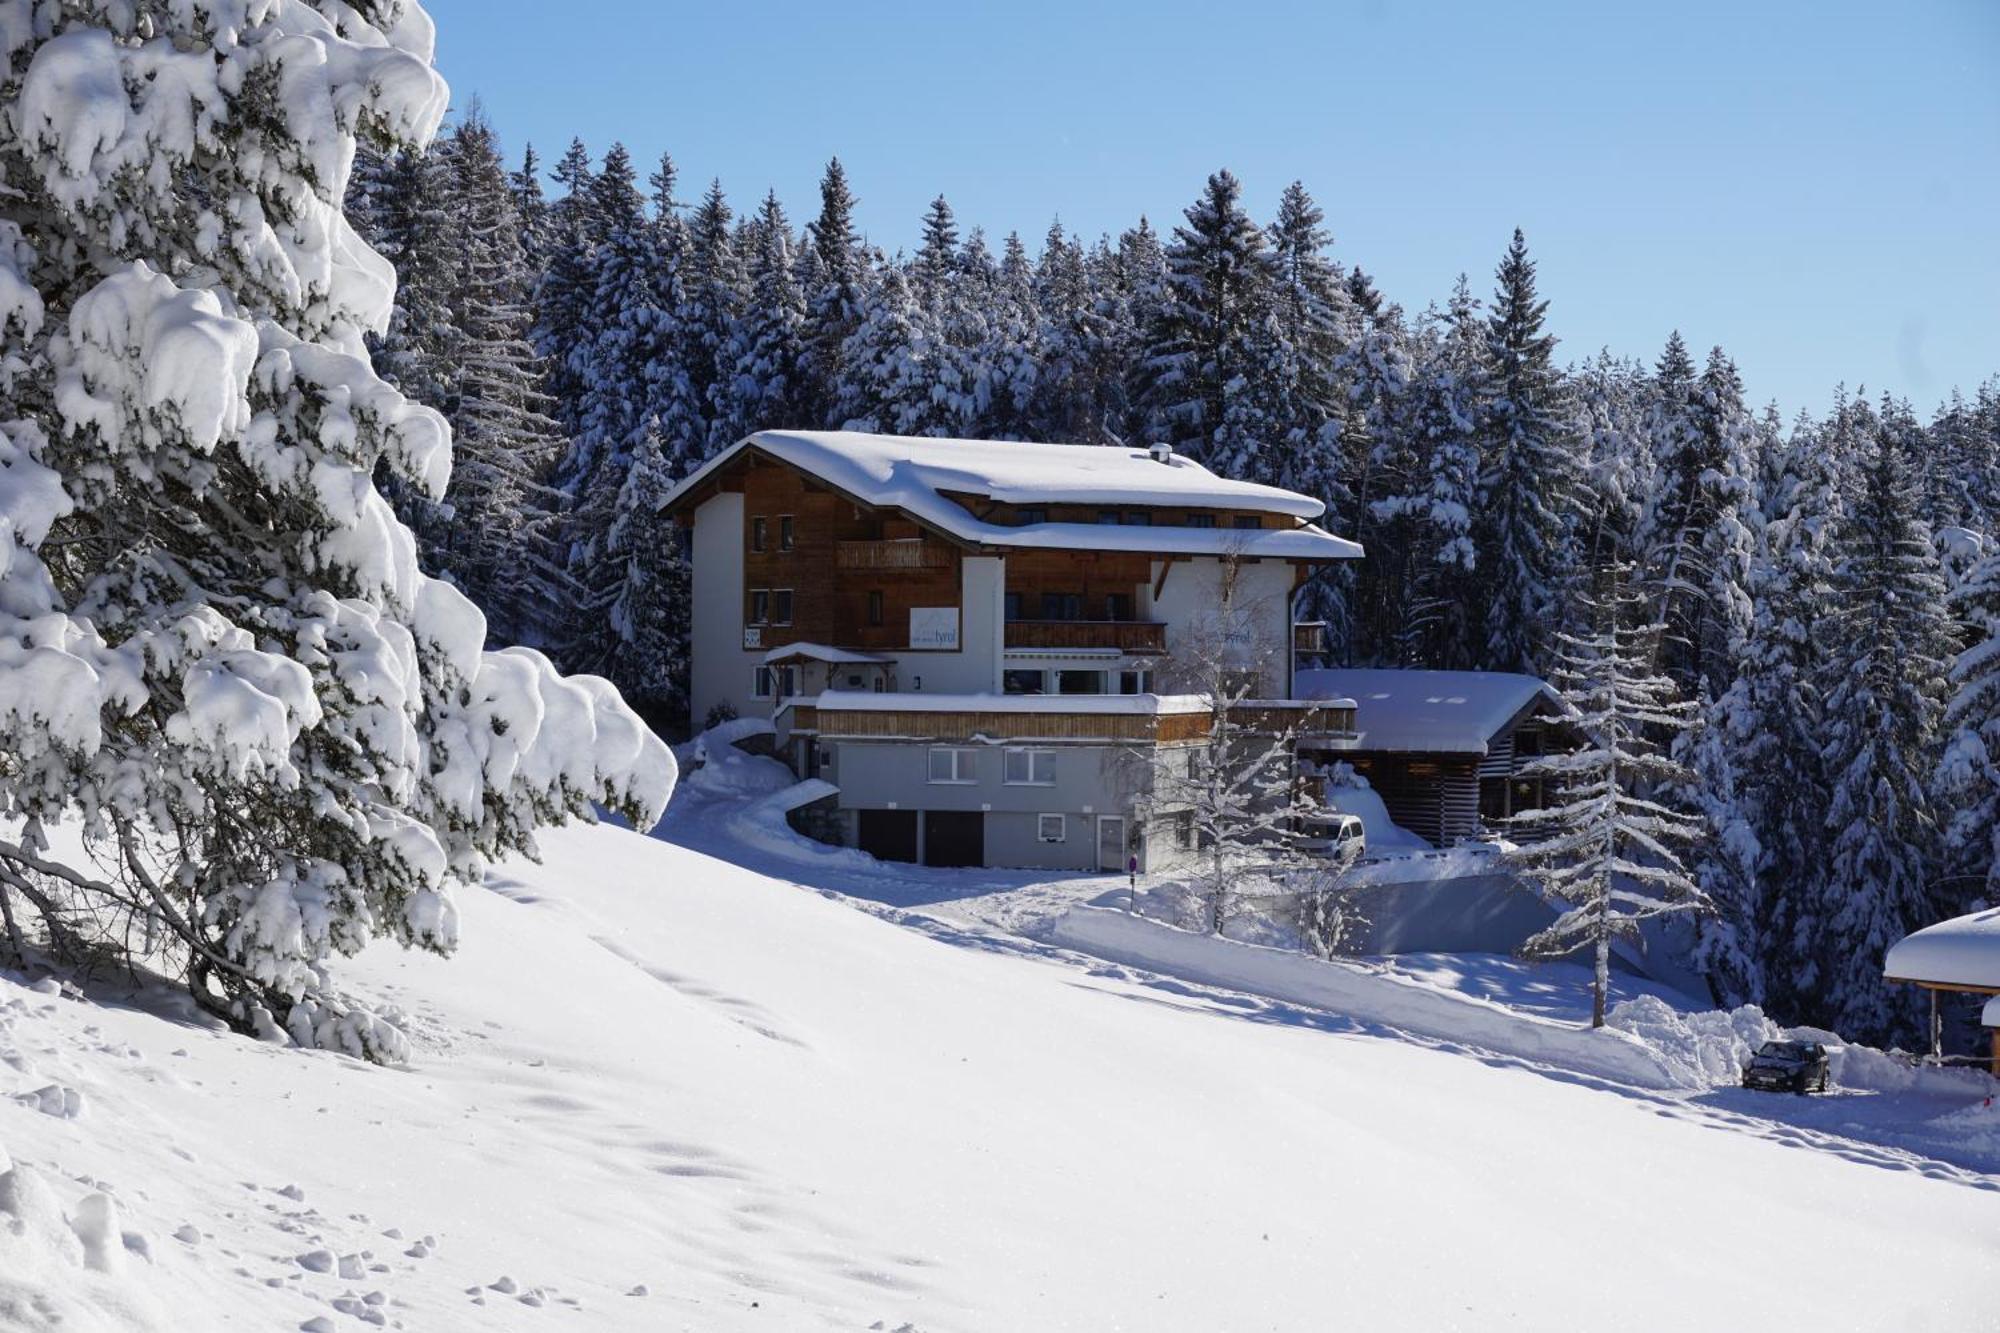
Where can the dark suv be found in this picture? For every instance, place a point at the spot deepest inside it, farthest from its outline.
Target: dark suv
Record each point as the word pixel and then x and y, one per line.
pixel 1787 1066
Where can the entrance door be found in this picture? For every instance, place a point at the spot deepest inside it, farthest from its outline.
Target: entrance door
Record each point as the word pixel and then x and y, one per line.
pixel 1111 842
pixel 954 838
pixel 887 835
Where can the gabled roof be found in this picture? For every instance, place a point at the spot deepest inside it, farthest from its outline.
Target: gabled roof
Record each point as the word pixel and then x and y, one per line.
pixel 915 475
pixel 820 652
pixel 1961 952
pixel 1427 712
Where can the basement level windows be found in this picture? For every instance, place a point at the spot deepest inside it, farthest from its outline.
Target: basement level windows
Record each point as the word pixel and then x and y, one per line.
pixel 1051 828
pixel 951 766
pixel 1030 768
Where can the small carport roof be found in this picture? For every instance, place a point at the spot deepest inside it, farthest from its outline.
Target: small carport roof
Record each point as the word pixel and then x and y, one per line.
pixel 1427 712
pixel 820 652
pixel 1960 954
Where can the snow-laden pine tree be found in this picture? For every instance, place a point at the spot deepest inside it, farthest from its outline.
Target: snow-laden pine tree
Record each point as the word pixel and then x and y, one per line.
pixel 531 209
pixel 838 281
pixel 217 653
pixel 885 386
pixel 1530 477
pixel 1204 365
pixel 1434 509
pixel 1774 714
pixel 499 539
pixel 1604 851
pixel 766 356
pixel 1969 773
pixel 1079 391
pixel 564 329
pixel 1725 859
pixel 1695 535
pixel 1890 641
pixel 712 288
pixel 1006 364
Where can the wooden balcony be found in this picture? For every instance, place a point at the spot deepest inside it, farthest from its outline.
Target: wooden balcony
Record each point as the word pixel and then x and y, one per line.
pixel 893 554
pixel 1144 637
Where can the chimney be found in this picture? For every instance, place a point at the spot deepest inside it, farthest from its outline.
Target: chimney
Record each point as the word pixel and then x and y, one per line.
pixel 1160 451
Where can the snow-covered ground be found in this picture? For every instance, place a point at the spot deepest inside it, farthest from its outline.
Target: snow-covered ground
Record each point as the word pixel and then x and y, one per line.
pixel 660 1090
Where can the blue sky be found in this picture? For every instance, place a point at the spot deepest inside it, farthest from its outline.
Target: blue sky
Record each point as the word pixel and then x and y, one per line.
pixel 1813 185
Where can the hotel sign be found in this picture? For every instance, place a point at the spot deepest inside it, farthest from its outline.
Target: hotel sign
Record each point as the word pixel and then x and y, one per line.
pixel 934 627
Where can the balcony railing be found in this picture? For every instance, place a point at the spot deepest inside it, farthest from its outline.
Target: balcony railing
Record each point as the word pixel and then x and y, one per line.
pixel 1127 636
pixel 1309 638
pixel 894 553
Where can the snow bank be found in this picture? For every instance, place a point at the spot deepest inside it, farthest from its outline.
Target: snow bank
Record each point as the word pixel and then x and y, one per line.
pixel 1704 1050
pixel 1353 796
pixel 1368 997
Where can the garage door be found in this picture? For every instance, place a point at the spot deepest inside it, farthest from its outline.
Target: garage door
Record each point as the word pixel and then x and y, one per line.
pixel 954 838
pixel 888 835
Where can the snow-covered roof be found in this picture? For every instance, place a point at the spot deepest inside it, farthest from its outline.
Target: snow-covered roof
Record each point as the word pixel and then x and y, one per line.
pixel 819 652
pixel 1425 712
pixel 914 475
pixel 1964 951
pixel 913 702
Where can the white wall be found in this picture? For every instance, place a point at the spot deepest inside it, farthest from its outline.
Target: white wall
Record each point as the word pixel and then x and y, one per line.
pixel 722 671
pixel 1261 603
pixel 975 667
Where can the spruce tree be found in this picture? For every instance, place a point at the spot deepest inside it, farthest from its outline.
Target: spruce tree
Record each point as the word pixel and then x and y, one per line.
pixel 1078 386
pixel 564 328
pixel 1530 480
pixel 1604 850
pixel 1204 368
pixel 837 295
pixel 767 350
pixel 278 738
pixel 1890 640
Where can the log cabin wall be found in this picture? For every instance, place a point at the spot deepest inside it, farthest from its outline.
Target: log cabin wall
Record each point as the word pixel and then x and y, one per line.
pixel 1435 797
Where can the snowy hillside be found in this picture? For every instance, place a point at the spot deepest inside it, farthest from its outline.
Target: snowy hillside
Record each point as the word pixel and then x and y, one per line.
pixel 657 1091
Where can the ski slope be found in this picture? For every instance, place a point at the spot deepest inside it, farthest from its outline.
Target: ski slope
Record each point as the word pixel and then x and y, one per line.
pixel 659 1091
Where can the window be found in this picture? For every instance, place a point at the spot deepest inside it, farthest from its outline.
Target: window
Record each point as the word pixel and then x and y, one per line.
pixel 1184 830
pixel 760 607
pixel 1135 682
pixel 781 606
pixel 1201 520
pixel 1197 763
pixel 1107 516
pixel 1062 606
pixel 1031 768
pixel 1051 828
pixel 1138 518
pixel 1248 521
pixel 1118 606
pixel 1013 606
pixel 952 766
pixel 875 606
pixel 1022 682
pixel 758 533
pixel 776 682
pixel 1079 682
pixel 785 532
pixel 1032 514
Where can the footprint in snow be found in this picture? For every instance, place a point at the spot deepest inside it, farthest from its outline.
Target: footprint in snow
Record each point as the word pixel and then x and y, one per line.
pixel 64 1103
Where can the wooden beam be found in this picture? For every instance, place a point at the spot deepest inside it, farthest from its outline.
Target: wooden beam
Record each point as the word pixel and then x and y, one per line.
pixel 1161 581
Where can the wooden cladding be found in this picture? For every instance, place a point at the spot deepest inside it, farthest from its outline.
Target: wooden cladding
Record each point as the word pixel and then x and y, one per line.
pixel 1309 636
pixel 1127 636
pixel 898 553
pixel 1001 724
pixel 1304 721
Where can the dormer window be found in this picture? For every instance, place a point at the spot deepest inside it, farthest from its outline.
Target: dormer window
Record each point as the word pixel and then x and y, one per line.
pixel 1249 521
pixel 1032 514
pixel 1201 520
